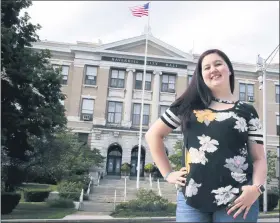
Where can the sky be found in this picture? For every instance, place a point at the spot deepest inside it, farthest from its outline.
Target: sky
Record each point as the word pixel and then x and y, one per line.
pixel 242 29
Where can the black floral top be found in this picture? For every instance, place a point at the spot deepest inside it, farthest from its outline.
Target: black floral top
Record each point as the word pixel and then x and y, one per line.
pixel 216 153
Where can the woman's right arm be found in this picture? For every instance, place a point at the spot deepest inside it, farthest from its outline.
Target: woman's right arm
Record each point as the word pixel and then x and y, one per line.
pixel 154 138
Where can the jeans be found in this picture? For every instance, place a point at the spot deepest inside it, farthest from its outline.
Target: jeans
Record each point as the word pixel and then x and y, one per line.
pixel 186 213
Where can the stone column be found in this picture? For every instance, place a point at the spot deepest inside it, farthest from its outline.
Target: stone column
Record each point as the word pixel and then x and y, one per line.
pixel 128 98
pixel 156 91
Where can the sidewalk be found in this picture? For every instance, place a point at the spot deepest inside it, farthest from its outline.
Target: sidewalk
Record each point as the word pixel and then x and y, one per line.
pixel 74 218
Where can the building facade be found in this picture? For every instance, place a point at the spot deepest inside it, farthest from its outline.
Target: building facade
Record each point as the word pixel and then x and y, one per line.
pixel 103 86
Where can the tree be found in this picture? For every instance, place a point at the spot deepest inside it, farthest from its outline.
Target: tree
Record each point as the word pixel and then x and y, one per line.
pixel 31 89
pixel 62 157
pixel 176 158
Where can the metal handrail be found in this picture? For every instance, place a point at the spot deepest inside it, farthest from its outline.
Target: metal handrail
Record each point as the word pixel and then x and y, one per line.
pixel 89 185
pixel 115 198
pixel 124 188
pixel 159 190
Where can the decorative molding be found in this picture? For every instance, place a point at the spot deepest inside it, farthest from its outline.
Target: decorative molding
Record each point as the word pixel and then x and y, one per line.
pixel 73 118
pixel 157 72
pixel 244 81
pixel 116 134
pixel 61 62
pixel 137 94
pixel 116 92
pixel 130 69
pixel 90 86
pixel 89 96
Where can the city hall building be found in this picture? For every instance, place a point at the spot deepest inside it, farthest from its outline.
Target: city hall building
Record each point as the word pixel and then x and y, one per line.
pixel 103 86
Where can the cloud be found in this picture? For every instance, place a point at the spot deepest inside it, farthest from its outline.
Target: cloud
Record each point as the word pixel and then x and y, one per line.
pixel 241 29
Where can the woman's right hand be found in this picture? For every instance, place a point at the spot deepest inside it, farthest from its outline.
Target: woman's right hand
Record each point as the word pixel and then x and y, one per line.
pixel 176 177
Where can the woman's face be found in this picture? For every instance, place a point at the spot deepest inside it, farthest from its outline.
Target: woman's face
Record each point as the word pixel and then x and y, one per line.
pixel 215 71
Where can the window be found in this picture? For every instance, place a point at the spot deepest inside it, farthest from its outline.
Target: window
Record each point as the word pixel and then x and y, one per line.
pixel 139 81
pixel 277 88
pixel 137 112
pixel 162 109
pixel 83 137
pixel 277 125
pixel 168 83
pixel 64 73
pixel 114 112
pixel 87 109
pixel 189 79
pixel 117 78
pixel 246 92
pixel 90 77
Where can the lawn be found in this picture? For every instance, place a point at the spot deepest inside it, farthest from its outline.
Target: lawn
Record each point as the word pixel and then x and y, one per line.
pixel 38 210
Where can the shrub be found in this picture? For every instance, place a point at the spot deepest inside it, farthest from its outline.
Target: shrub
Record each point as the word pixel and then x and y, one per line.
pixel 69 186
pixel 74 196
pixel 61 203
pixel 146 200
pixel 9 202
pixel 36 195
pixel 272 201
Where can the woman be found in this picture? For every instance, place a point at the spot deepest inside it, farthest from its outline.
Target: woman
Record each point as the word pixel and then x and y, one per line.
pixel 224 162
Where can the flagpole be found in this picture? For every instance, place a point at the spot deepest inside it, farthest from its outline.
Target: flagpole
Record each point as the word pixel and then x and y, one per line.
pixel 142 103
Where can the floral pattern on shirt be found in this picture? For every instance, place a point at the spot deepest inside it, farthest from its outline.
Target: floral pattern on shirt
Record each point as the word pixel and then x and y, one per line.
pixel 204 116
pixel 192 188
pixel 243 152
pixel 255 124
pixel 207 144
pixel 241 124
pixel 225 194
pixel 197 156
pixel 239 177
pixel 236 164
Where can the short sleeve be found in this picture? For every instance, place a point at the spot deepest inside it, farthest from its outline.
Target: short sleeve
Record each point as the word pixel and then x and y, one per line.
pixel 170 117
pixel 255 130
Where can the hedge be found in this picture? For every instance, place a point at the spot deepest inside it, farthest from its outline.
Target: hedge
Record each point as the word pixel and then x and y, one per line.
pixel 36 195
pixel 9 202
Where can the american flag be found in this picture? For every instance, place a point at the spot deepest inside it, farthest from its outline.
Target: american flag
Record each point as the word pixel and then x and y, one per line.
pixel 140 11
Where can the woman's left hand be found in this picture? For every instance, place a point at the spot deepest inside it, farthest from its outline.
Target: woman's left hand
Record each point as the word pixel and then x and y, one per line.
pixel 244 202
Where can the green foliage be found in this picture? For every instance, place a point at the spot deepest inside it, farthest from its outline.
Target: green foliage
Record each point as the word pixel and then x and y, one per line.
pixel 176 158
pixel 31 91
pixel 9 202
pixel 271 163
pixel 125 168
pixel 38 195
pixel 69 186
pixel 61 203
pixel 63 157
pixel 74 196
pixel 146 200
pixel 149 168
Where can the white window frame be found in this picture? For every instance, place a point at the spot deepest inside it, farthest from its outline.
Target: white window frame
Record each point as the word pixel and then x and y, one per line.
pixel 139 77
pixel 90 78
pixel 114 112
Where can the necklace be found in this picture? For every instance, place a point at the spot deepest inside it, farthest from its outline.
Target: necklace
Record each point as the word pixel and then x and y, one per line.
pixel 223 101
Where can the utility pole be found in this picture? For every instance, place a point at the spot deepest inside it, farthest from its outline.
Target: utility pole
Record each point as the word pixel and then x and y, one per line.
pixel 262 66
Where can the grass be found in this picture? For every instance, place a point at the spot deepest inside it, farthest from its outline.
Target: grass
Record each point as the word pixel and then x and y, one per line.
pixel 38 210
